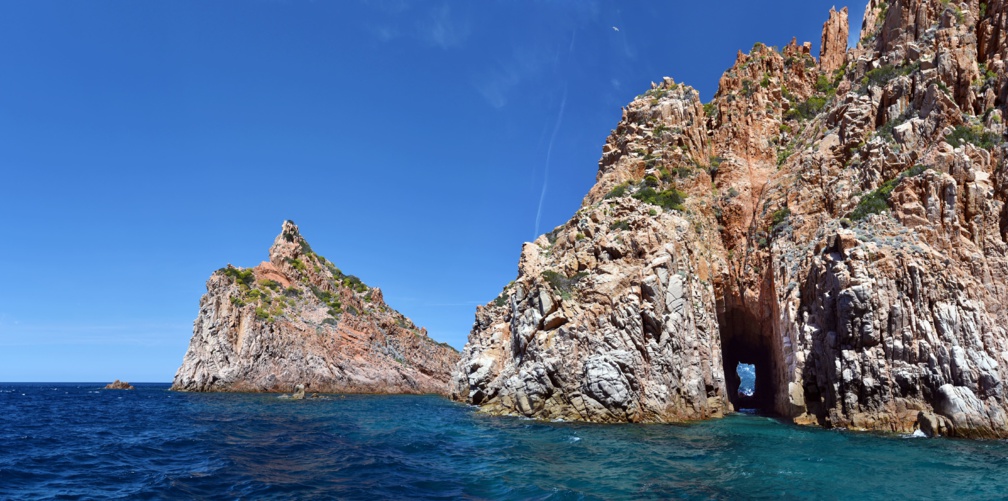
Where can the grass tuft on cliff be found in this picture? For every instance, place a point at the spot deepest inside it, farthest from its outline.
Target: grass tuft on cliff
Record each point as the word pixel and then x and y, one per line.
pixel 877 201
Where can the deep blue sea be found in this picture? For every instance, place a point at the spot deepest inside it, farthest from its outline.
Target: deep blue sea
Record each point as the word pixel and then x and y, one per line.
pixel 77 441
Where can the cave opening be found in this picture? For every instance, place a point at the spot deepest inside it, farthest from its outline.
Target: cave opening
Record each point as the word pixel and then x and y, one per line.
pixel 747 379
pixel 747 351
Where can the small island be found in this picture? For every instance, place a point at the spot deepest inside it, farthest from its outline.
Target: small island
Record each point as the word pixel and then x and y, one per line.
pixel 119 385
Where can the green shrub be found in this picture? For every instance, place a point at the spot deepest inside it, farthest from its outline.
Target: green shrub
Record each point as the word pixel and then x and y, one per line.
pixel 783 155
pixel 261 313
pixel 354 283
pixel 780 218
pixel 883 74
pixel 874 202
pixel 618 191
pixel 825 85
pixel 715 164
pixel 886 131
pixel 561 283
pixel 619 224
pixel 710 109
pixel 683 171
pixel 296 263
pixel 747 88
pixel 808 109
pixel 975 135
pixel 336 273
pixel 244 277
pixel 666 199
pixel 877 201
pixel 502 299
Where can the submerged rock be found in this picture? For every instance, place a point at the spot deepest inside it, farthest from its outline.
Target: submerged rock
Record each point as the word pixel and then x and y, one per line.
pixel 298 320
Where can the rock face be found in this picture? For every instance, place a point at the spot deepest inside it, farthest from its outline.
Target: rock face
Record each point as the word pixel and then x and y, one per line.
pixel 119 385
pixel 608 321
pixel 296 321
pixel 833 50
pixel 841 225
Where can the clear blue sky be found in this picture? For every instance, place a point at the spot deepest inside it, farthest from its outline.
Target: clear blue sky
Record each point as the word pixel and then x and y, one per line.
pixel 143 145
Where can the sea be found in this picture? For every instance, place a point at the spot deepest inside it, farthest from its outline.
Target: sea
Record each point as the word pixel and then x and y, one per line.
pixel 78 441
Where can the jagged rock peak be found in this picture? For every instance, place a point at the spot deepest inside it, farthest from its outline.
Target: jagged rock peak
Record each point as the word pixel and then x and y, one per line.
pixel 833 51
pixel 298 319
pixel 288 245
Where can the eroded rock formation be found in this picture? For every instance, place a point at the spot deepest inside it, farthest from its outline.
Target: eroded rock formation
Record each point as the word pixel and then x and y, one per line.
pixel 298 321
pixel 841 224
pixel 119 385
pixel 833 49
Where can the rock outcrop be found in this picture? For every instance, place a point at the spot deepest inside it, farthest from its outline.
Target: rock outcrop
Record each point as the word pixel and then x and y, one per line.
pixel 833 49
pixel 119 385
pixel 298 322
pixel 840 224
pixel 611 320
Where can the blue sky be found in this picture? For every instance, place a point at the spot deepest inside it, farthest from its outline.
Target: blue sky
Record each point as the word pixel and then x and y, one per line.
pixel 144 145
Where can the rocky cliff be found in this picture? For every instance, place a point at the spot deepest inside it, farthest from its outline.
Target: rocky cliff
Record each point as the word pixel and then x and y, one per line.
pixel 841 224
pixel 298 320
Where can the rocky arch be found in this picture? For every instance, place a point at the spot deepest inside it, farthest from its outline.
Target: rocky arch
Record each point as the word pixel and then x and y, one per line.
pixel 746 339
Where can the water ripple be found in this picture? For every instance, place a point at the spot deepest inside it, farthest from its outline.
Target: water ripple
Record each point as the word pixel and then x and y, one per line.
pixel 78 441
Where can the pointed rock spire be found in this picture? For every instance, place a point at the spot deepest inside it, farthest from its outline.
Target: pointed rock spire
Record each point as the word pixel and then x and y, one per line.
pixel 833 51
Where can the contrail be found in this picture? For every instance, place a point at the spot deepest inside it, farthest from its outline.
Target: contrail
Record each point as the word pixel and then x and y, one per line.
pixel 549 153
pixel 549 148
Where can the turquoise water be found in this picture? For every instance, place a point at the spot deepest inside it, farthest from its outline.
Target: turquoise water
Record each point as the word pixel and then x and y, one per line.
pixel 77 441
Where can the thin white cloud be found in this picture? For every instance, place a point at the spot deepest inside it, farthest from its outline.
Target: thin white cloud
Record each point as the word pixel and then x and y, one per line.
pixel 390 6
pixel 495 85
pixel 526 63
pixel 442 29
pixel 385 33
pixel 435 25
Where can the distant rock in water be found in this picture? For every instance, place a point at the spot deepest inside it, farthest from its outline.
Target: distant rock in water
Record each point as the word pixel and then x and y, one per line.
pixel 841 225
pixel 298 320
pixel 119 385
